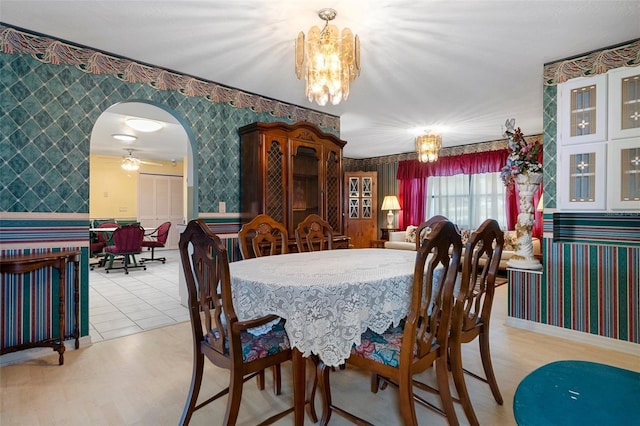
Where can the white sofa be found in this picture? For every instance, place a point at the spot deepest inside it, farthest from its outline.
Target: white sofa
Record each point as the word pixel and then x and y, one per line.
pixel 398 240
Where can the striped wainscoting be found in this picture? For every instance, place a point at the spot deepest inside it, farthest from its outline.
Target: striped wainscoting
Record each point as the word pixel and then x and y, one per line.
pixel 587 284
pixel 29 302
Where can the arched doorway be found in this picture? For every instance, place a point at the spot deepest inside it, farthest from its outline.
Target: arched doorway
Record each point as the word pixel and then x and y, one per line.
pixel 127 166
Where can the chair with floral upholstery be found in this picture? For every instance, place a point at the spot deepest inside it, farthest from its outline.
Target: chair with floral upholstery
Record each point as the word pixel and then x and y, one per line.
pixel 421 340
pixel 264 236
pixel 217 333
pixel 480 266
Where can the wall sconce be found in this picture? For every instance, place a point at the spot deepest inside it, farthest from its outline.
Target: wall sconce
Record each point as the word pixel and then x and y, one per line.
pixel 390 203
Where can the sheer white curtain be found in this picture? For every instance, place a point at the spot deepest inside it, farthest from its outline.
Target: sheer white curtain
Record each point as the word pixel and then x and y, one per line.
pixel 467 200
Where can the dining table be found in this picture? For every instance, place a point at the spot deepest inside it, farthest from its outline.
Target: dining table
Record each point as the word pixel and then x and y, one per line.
pixel 328 299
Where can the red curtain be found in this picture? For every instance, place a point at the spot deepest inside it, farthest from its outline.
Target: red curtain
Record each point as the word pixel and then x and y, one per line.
pixel 413 184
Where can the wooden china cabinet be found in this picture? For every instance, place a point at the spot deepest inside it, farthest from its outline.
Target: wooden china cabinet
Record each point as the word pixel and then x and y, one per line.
pixel 289 171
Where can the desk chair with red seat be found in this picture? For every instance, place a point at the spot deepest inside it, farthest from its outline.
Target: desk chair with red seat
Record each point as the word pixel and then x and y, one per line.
pixel 102 240
pixel 127 243
pixel 158 238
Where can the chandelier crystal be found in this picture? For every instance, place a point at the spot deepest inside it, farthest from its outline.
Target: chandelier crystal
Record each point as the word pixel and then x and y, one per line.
pixel 328 60
pixel 428 147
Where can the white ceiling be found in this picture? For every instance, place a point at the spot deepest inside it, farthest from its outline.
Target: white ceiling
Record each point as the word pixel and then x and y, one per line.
pixel 465 66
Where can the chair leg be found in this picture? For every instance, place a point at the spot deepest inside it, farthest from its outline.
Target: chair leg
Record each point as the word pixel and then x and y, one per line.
pixel 485 355
pixel 325 388
pixel 125 263
pixel 375 383
pixel 407 404
pixel 311 391
pixel 161 259
pixel 235 397
pixel 442 378
pixel 277 380
pixel 260 380
pixel 455 362
pixel 194 389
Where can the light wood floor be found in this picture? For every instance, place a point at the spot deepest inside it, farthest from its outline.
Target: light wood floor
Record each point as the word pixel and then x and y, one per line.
pixel 143 380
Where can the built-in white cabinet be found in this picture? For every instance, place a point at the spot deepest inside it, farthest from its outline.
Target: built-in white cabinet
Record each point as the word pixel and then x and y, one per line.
pixel 624 107
pixel 598 142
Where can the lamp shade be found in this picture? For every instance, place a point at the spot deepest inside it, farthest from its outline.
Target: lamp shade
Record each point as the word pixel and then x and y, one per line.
pixel 390 202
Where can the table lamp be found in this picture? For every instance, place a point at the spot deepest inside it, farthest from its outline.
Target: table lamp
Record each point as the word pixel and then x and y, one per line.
pixel 390 203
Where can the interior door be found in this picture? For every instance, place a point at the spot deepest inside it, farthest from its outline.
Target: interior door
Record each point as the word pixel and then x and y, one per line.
pixel 160 199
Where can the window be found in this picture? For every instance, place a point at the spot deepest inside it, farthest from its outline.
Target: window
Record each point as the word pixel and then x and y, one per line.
pixel 467 200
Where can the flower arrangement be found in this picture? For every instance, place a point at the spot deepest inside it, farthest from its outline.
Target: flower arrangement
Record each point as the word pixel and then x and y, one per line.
pixel 523 155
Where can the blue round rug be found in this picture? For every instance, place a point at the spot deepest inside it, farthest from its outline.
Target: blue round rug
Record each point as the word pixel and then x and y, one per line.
pixel 578 393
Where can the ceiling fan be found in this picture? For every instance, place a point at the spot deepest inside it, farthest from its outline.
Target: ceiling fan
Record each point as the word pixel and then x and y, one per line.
pixel 131 163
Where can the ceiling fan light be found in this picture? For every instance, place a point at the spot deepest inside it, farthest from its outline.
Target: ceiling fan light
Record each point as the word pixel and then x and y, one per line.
pixel 143 124
pixel 125 138
pixel 130 164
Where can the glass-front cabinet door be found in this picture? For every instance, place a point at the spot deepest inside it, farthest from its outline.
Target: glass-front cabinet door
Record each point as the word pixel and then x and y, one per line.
pixel 624 163
pixel 624 105
pixel 305 177
pixel 582 107
pixel 581 169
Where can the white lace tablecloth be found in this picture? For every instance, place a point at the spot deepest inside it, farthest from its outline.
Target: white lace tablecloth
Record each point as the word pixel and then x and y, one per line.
pixel 329 297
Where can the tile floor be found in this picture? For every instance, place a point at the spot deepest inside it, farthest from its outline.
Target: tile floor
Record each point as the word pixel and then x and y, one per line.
pixel 121 304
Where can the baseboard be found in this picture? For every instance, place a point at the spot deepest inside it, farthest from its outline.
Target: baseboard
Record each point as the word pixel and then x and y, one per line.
pixel 575 336
pixel 35 353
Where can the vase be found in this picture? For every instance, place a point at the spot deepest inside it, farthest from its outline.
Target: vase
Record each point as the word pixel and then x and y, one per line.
pixel 528 184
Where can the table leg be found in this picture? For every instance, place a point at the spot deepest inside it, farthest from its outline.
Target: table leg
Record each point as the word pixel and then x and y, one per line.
pixel 76 302
pixel 299 386
pixel 62 269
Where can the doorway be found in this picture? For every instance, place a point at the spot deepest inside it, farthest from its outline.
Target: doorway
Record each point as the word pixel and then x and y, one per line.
pixel 139 176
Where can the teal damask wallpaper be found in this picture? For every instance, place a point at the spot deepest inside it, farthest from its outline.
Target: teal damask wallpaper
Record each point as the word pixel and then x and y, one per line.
pixel 52 93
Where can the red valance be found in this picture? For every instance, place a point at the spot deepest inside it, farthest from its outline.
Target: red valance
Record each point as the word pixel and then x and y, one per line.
pixel 468 164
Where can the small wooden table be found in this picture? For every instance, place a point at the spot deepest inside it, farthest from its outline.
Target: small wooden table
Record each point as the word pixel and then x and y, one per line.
pixel 385 232
pixel 23 263
pixel 377 243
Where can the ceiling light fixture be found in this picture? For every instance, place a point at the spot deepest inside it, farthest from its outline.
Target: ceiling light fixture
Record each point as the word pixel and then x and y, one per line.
pixel 124 138
pixel 328 60
pixel 143 124
pixel 130 164
pixel 428 147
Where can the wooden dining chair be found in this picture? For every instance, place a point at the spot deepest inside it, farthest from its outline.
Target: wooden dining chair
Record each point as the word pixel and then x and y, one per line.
pixel 480 266
pixel 263 236
pixel 421 340
pixel 313 234
pixel 425 227
pixel 217 332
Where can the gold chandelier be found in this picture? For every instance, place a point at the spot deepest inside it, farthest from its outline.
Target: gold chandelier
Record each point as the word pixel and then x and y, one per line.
pixel 329 61
pixel 428 147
